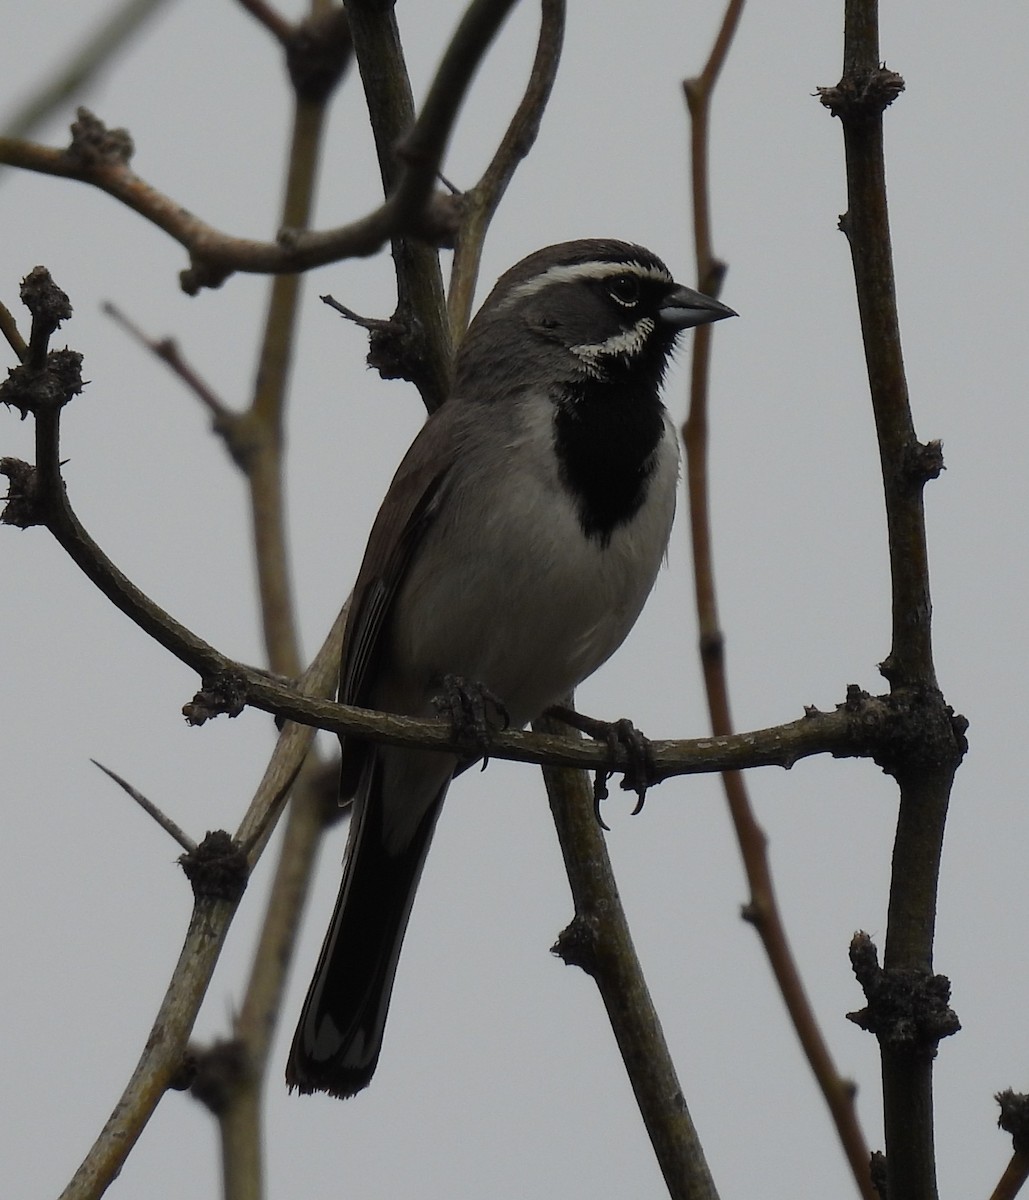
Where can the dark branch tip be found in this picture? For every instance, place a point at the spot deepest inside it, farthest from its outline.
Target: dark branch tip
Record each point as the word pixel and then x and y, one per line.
pixel 94 145
pixel 202 273
pixel 223 694
pixel 44 299
pixel 877 1172
pixel 908 1009
pixel 1014 1118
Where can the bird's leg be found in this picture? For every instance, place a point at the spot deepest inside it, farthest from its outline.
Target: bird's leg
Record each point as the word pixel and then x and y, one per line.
pixel 473 710
pixel 639 773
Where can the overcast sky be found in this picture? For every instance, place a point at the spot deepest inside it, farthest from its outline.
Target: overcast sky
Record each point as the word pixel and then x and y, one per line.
pixel 499 1076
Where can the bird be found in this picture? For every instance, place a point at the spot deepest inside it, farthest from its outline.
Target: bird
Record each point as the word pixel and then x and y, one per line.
pixel 512 554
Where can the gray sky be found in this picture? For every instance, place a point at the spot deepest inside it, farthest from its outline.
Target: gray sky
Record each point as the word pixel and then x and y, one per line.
pixel 499 1075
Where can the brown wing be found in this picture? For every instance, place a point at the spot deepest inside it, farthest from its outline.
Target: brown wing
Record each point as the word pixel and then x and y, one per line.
pixel 405 515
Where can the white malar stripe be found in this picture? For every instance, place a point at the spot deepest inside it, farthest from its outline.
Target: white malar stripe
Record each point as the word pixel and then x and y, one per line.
pixel 570 272
pixel 620 345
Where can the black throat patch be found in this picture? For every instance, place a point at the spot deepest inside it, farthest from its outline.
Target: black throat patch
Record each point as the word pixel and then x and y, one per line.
pixel 605 436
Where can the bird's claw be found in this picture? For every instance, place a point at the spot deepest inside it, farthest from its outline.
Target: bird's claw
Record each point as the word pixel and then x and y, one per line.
pixel 474 712
pixel 639 772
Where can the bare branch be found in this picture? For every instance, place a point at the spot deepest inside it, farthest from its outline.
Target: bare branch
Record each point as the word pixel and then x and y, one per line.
pixel 215 255
pixel 762 909
pixel 165 1049
pixel 263 423
pixel 101 159
pixel 598 940
pixel 924 773
pixel 1012 1181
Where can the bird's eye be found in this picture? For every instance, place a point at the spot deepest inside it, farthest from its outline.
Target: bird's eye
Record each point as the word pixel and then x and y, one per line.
pixel 625 290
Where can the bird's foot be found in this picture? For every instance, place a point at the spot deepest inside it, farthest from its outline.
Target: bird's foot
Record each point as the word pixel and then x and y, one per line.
pixel 474 711
pixel 639 772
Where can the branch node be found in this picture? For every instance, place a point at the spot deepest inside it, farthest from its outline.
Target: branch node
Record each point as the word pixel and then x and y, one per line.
pixel 223 694
pixel 217 868
pixel 23 507
pixel 920 732
pixel 396 345
pixel 923 461
pixel 862 94
pixel 908 1008
pixel 576 944
pixel 220 1069
pixel 47 387
pixel 94 145
pixel 318 52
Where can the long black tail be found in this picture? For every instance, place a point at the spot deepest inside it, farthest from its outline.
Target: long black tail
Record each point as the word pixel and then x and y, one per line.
pixel 338 1038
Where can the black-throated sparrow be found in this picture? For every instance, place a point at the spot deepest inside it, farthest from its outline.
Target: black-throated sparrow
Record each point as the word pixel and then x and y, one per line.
pixel 515 548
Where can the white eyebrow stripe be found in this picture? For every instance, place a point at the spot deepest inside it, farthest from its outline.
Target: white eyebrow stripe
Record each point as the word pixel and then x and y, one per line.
pixel 570 272
pixel 627 343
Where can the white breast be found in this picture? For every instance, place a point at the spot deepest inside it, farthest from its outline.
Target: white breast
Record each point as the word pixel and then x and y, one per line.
pixel 507 591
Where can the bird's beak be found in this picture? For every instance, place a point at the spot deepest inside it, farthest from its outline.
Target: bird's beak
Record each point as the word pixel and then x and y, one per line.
pixel 684 308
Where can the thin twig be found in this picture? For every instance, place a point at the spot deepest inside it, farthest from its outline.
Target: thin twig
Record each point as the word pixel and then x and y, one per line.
pixel 162 819
pixel 167 350
pixel 239 1118
pixel 480 203
pixel 9 328
pixel 265 419
pixel 762 909
pixel 75 75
